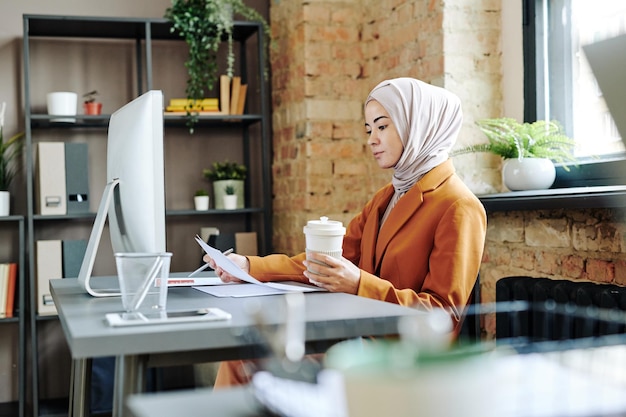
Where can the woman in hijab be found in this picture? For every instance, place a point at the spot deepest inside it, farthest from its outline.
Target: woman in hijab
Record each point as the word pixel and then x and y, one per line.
pixel 419 241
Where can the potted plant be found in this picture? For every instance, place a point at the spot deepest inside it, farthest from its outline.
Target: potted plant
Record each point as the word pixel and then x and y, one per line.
pixel 230 198
pixel 204 24
pixel 9 151
pixel 225 174
pixel 90 105
pixel 201 200
pixel 529 150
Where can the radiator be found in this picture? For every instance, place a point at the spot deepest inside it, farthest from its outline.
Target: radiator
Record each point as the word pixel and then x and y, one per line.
pixel 558 309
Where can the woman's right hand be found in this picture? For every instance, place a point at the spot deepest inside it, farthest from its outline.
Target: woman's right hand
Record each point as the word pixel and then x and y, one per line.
pixel 239 260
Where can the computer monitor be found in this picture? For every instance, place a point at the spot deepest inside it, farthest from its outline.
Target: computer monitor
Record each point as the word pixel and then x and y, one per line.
pixel 134 197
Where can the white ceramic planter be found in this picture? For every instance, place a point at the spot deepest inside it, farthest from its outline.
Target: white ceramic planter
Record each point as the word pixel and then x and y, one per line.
pixel 230 201
pixel 62 103
pixel 219 191
pixel 5 202
pixel 201 202
pixel 528 174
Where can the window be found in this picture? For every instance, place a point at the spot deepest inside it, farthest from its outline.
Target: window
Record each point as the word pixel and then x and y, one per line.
pixel 559 84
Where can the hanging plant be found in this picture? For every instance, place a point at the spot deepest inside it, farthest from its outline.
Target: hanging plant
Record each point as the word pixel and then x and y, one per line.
pixel 204 24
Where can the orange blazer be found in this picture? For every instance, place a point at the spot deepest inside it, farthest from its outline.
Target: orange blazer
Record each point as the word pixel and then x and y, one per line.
pixel 426 255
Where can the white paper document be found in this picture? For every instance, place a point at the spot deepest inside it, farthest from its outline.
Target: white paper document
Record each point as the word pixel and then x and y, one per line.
pixel 254 287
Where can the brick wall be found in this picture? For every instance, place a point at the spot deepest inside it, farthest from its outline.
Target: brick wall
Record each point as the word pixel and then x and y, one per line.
pixel 583 245
pixel 329 54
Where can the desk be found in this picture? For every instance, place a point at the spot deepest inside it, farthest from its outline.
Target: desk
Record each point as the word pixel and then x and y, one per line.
pixel 330 317
pixel 577 383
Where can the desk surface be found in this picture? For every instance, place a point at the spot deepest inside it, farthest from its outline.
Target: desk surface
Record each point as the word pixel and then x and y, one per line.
pixel 329 317
pixel 236 402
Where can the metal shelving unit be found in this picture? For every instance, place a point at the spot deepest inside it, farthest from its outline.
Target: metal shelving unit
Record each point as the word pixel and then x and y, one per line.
pixel 143 32
pixel 19 318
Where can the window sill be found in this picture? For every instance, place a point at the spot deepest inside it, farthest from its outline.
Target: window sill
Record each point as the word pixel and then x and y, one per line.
pixel 612 196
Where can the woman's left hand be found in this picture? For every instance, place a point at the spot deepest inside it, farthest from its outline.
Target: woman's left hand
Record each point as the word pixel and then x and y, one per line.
pixel 336 275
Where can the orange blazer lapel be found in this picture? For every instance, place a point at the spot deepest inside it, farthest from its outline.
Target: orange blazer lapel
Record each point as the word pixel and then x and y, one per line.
pixel 402 213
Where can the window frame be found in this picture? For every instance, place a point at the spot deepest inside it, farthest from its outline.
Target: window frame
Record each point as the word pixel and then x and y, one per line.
pixel 604 170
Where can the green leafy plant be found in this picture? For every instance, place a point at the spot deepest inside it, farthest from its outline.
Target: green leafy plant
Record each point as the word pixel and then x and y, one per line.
pixel 9 151
pixel 511 139
pixel 90 97
pixel 229 190
pixel 225 171
pixel 204 24
pixel 201 193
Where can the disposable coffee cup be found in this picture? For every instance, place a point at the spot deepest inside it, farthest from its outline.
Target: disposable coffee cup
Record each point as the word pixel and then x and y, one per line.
pixel 62 103
pixel 143 280
pixel 324 236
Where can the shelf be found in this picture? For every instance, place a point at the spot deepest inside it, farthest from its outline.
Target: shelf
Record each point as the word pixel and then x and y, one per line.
pixel 43 121
pixel 11 218
pixel 115 28
pixel 250 130
pixel 559 198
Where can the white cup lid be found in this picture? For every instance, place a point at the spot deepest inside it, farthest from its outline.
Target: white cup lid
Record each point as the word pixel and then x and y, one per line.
pixel 323 226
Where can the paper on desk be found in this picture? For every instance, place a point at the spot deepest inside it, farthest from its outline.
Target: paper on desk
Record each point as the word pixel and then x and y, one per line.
pixel 229 266
pixel 245 289
pixel 226 264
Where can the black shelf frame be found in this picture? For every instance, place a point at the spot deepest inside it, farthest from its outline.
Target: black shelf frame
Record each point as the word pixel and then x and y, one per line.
pixel 18 408
pixel 143 31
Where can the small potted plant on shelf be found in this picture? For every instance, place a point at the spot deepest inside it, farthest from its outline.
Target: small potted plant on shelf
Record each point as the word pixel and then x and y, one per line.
pixel 225 174
pixel 201 200
pixel 230 198
pixel 10 150
pixel 90 105
pixel 204 24
pixel 528 150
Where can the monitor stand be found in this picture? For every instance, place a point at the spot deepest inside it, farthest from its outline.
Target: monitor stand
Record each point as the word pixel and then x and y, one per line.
pixel 86 267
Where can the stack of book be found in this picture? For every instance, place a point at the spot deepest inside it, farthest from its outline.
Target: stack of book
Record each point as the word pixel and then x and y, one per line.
pixel 232 100
pixel 8 282
pixel 182 105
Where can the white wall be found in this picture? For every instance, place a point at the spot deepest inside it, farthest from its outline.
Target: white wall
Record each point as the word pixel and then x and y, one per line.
pixel 11 31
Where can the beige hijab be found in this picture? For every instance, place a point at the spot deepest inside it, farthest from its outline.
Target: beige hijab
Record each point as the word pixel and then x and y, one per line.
pixel 428 120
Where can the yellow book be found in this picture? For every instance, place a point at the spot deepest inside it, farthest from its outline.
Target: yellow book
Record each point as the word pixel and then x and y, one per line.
pixel 183 102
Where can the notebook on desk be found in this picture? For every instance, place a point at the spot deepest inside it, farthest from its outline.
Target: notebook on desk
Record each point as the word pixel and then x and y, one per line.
pixel 607 60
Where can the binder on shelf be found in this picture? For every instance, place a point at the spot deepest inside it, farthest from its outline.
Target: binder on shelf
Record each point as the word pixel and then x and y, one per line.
pixel 48 266
pixel 224 94
pixel 50 178
pixel 234 94
pixel 12 285
pixel 77 177
pixel 73 254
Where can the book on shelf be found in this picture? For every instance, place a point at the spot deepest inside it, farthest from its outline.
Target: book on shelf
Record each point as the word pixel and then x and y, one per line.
pixel 225 94
pixel 8 278
pixel 234 94
pixel 11 287
pixel 4 288
pixel 205 106
pixel 241 101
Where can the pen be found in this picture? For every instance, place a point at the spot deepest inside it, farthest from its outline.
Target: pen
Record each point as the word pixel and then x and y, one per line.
pixel 205 266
